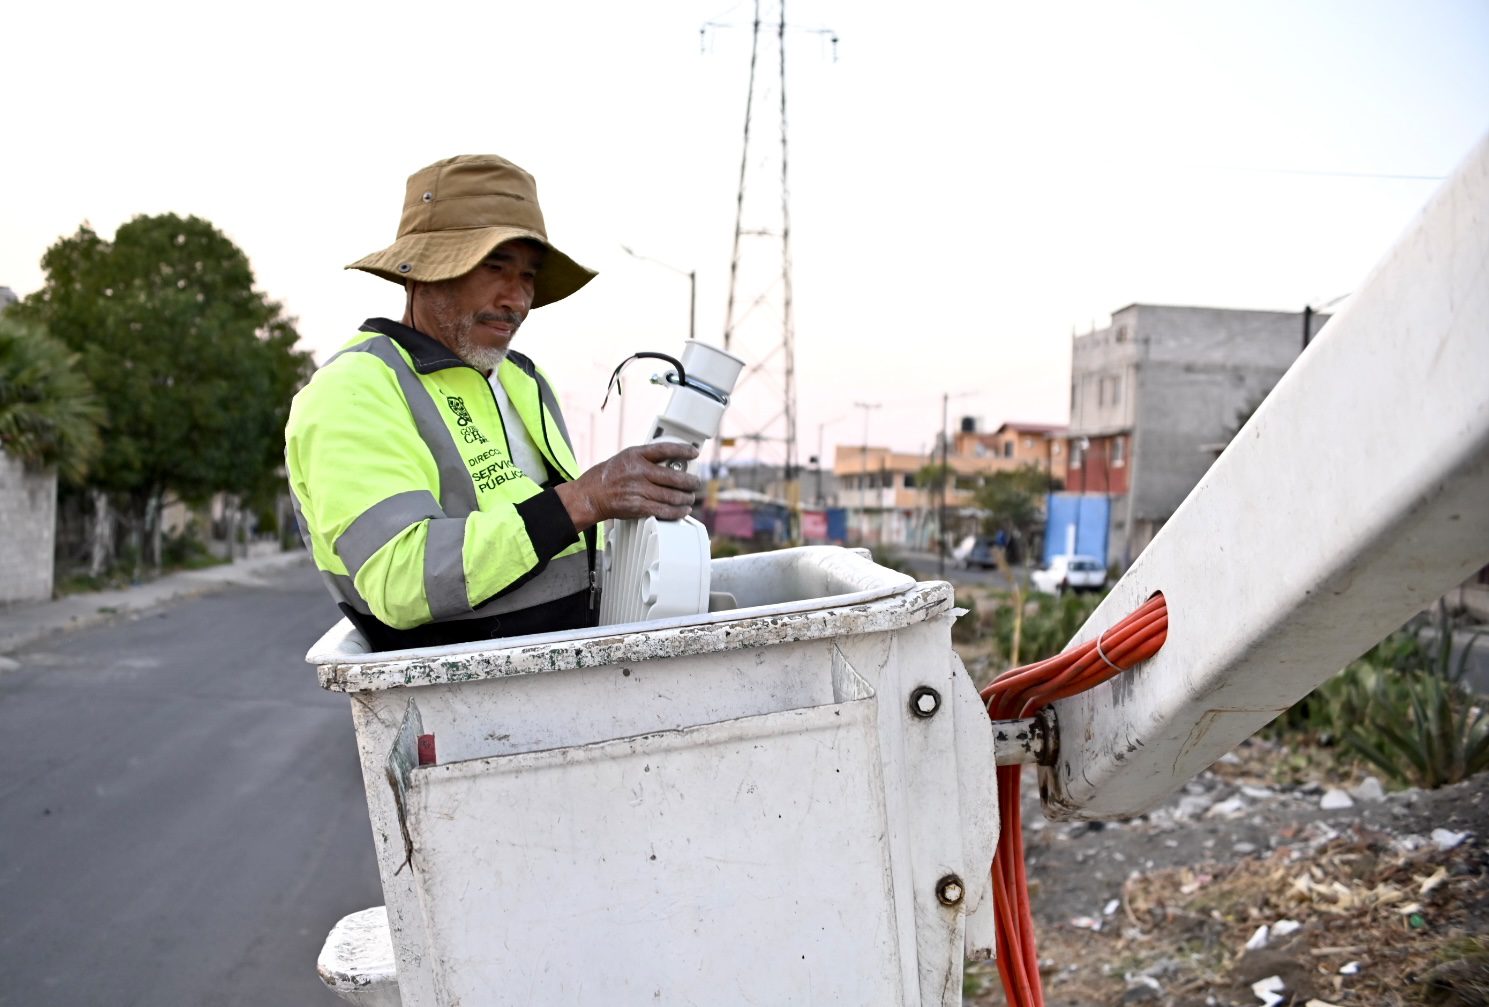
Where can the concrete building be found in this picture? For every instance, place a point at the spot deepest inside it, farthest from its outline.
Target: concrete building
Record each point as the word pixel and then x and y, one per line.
pixel 889 501
pixel 1012 446
pixel 880 489
pixel 884 491
pixel 814 486
pixel 1156 395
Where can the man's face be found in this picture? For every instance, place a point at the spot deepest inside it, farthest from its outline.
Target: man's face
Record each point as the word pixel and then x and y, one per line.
pixel 476 315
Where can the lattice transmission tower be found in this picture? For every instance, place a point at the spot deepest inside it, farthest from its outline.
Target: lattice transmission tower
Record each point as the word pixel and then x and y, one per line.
pixel 758 321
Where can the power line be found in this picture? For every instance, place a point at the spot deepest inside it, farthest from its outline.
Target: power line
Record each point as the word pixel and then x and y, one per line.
pixel 1320 173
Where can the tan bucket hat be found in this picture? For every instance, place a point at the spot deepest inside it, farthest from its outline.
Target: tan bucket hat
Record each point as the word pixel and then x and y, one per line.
pixel 456 211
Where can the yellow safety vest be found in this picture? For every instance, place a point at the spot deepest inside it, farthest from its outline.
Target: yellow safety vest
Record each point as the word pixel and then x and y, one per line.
pixel 405 489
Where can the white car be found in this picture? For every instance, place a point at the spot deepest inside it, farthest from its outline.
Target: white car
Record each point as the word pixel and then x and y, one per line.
pixel 1073 573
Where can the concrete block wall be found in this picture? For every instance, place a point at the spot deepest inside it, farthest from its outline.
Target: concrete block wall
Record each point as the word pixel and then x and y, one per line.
pixel 1103 379
pixel 1204 367
pixel 1175 378
pixel 1219 337
pixel 28 532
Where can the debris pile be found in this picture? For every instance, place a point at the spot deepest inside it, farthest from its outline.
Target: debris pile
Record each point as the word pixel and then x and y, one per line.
pixel 1247 890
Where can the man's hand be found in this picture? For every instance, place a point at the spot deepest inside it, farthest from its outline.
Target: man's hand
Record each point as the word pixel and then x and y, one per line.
pixel 637 483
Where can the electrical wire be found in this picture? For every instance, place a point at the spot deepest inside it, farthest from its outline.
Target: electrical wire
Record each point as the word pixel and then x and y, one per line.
pixel 1022 692
pixel 681 377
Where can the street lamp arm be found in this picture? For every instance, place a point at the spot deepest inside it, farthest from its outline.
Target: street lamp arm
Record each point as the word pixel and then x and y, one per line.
pixel 656 262
pixel 692 275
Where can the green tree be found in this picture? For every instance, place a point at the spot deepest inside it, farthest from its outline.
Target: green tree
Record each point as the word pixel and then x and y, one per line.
pixel 49 416
pixel 1014 502
pixel 195 368
pixel 933 476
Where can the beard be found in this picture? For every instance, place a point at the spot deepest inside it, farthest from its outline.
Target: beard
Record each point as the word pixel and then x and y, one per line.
pixel 455 332
pixel 482 358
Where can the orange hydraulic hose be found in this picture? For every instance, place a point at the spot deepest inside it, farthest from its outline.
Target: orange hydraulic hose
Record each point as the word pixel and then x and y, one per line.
pixel 1018 678
pixel 1022 692
pixel 1085 667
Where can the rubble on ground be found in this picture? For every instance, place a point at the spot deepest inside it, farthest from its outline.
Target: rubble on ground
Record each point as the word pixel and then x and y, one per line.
pixel 1249 880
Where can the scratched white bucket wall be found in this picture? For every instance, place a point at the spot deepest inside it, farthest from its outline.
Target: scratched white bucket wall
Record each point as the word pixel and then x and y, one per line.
pixel 804 815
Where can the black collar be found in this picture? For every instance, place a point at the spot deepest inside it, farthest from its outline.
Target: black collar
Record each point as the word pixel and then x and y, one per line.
pixel 428 353
pixel 431 355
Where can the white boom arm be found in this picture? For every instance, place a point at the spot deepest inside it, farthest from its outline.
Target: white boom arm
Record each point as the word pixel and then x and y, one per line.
pixel 1357 493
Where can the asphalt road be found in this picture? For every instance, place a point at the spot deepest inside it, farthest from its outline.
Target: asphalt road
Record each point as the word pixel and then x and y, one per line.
pixel 181 809
pixel 925 566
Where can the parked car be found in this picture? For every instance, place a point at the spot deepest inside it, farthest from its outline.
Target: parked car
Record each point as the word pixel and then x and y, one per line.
pixel 1070 573
pixel 976 550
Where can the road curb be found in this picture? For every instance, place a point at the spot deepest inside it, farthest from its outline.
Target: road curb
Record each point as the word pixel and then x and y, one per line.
pixel 21 626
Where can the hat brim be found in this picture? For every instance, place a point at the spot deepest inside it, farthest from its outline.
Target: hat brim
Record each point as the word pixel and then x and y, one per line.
pixel 432 256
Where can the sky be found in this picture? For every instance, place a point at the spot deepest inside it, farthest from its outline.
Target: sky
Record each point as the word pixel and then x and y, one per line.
pixel 970 184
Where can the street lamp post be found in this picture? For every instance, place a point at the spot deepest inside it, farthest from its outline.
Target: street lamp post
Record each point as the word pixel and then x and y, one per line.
pixel 692 275
pixel 1106 490
pixel 821 453
pixel 1083 444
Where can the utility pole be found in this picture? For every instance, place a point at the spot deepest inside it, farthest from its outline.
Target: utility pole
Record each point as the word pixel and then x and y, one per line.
pixel 946 398
pixel 945 471
pixel 820 427
pixel 863 478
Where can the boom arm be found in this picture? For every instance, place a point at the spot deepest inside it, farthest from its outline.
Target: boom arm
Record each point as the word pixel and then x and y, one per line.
pixel 1357 493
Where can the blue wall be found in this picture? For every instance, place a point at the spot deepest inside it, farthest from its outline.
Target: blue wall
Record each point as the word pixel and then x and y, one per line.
pixel 1089 512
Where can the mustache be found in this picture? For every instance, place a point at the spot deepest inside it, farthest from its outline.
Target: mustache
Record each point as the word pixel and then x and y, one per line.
pixel 511 318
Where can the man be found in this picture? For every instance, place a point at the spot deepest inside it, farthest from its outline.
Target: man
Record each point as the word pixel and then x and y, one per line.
pixel 429 463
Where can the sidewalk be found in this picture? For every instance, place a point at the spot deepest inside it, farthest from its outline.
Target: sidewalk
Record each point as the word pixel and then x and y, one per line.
pixel 24 624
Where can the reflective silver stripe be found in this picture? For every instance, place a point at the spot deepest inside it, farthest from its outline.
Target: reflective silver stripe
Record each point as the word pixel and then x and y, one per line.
pixel 379 524
pixel 343 589
pixel 560 578
pixel 300 521
pixel 359 348
pixel 444 569
pixel 445 585
pixel 457 494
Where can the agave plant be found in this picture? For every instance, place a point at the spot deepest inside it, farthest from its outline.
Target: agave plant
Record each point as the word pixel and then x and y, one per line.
pixel 49 417
pixel 1417 724
pixel 1045 624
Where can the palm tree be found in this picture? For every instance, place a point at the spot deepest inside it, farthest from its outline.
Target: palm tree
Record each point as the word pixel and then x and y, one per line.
pixel 49 417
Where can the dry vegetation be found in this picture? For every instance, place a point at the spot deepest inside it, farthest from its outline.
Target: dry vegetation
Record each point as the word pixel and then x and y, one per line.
pixel 1373 911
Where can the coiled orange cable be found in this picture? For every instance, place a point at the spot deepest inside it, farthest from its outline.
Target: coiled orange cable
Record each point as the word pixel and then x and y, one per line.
pixel 1022 692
